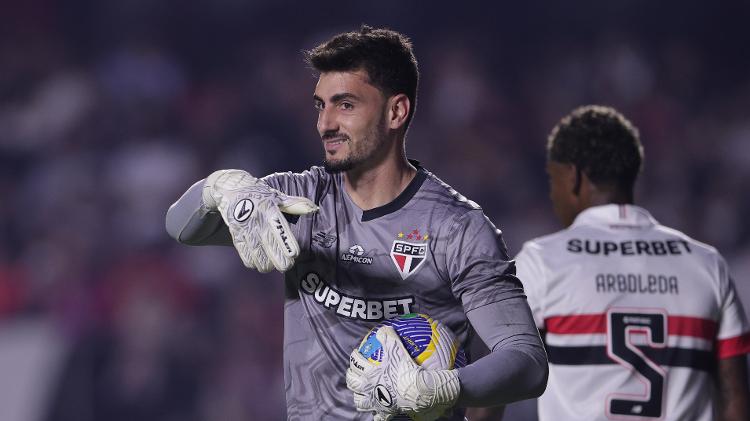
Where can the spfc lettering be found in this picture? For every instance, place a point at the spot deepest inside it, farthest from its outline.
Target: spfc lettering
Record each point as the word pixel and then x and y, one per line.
pixel 408 257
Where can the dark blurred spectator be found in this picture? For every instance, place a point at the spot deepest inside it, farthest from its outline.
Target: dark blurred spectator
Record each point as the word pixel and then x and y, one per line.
pixel 145 359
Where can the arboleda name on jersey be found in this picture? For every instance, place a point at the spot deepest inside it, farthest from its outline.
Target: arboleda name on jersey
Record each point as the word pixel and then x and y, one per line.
pixel 351 306
pixel 636 283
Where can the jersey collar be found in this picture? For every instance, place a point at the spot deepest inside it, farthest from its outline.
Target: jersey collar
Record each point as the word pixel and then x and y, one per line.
pixel 402 199
pixel 615 216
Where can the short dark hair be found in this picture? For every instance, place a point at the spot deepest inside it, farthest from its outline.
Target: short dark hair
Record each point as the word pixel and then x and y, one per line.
pixel 385 55
pixel 601 143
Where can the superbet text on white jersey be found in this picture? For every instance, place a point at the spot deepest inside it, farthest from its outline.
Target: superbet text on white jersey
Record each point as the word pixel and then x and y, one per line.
pixel 635 317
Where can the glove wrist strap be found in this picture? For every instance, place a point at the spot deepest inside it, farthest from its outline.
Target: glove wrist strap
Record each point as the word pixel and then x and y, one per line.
pixel 445 385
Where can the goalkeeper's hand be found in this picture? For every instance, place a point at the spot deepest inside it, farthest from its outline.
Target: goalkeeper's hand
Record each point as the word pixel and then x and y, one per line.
pixel 252 212
pixel 398 385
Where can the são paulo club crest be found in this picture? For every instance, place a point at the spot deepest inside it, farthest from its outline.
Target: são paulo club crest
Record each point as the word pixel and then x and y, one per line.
pixel 409 252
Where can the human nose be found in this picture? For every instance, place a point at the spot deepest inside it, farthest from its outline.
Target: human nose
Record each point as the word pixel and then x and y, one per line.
pixel 327 121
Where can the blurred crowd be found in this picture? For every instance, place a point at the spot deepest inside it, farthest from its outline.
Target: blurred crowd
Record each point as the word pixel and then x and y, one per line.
pixel 110 110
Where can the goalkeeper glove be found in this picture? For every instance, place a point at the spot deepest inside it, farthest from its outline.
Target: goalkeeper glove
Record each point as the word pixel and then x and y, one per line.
pixel 397 384
pixel 252 212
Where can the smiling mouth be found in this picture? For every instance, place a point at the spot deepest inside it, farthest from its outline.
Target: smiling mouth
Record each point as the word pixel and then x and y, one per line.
pixel 332 146
pixel 336 142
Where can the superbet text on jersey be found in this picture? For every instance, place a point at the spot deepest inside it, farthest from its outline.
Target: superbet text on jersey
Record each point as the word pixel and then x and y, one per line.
pixel 636 315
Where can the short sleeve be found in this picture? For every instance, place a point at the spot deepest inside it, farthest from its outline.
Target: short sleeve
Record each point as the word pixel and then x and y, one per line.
pixel 478 264
pixel 733 337
pixel 532 273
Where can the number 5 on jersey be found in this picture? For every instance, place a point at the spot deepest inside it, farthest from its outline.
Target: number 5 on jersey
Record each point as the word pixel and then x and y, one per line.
pixel 623 325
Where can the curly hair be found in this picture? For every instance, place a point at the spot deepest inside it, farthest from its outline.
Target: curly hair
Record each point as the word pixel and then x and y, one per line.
pixel 601 143
pixel 385 55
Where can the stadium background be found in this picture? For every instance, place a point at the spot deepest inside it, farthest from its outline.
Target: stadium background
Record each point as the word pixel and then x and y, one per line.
pixel 109 110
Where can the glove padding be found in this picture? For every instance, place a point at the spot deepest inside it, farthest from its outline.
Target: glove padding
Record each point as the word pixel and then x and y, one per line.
pixel 252 212
pixel 398 385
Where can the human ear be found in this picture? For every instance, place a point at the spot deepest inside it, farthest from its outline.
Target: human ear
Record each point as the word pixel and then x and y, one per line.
pixel 398 111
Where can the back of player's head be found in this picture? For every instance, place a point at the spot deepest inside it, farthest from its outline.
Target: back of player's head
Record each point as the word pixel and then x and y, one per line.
pixel 385 55
pixel 601 143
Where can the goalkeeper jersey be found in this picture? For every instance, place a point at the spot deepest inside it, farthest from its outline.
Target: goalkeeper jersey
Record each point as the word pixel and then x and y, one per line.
pixel 636 315
pixel 429 251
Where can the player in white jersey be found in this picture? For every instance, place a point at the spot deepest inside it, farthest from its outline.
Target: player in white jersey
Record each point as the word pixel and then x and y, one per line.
pixel 640 321
pixel 373 236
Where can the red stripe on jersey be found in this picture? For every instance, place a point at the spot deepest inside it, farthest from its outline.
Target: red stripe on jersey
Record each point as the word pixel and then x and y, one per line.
pixel 731 347
pixel 582 323
pixel 597 323
pixel 691 326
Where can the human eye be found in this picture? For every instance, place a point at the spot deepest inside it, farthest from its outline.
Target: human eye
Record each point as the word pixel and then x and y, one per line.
pixel 319 105
pixel 348 106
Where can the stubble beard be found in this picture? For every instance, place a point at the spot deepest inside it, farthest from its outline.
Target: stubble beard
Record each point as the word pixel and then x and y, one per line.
pixel 341 165
pixel 360 151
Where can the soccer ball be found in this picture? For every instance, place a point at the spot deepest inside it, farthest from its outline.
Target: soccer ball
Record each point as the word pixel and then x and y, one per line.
pixel 429 342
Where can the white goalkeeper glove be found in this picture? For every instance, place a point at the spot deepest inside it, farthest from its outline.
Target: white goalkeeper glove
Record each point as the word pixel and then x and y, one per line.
pixel 252 212
pixel 398 385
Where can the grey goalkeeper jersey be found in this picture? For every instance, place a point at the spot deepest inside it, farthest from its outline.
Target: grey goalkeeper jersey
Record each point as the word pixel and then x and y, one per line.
pixel 430 251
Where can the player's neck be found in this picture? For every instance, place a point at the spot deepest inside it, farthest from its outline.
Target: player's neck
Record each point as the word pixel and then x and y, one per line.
pixel 608 198
pixel 591 196
pixel 380 184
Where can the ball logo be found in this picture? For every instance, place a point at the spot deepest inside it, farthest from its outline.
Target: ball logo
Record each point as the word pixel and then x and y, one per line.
pixel 383 396
pixel 243 209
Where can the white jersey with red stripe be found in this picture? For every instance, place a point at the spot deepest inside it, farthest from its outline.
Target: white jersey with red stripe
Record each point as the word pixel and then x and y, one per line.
pixel 635 314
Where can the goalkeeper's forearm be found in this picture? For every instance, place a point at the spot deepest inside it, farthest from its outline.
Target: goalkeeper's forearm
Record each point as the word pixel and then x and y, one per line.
pixel 516 368
pixel 189 222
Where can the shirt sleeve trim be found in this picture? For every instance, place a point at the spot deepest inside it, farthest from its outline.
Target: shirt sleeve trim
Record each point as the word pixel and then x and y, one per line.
pixel 732 347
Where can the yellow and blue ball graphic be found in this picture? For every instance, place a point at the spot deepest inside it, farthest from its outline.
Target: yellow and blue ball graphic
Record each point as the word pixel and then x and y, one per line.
pixel 421 336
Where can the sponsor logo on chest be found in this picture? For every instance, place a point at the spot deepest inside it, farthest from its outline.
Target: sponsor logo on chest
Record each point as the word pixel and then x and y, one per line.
pixel 351 306
pixel 356 254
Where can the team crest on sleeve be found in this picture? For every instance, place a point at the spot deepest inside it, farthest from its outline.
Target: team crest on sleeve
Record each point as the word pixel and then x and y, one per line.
pixel 409 252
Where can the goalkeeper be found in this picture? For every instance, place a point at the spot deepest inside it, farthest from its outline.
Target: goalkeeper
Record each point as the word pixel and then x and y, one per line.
pixel 368 236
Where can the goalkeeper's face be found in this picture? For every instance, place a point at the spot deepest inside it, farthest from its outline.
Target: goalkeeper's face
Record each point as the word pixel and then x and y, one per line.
pixel 351 120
